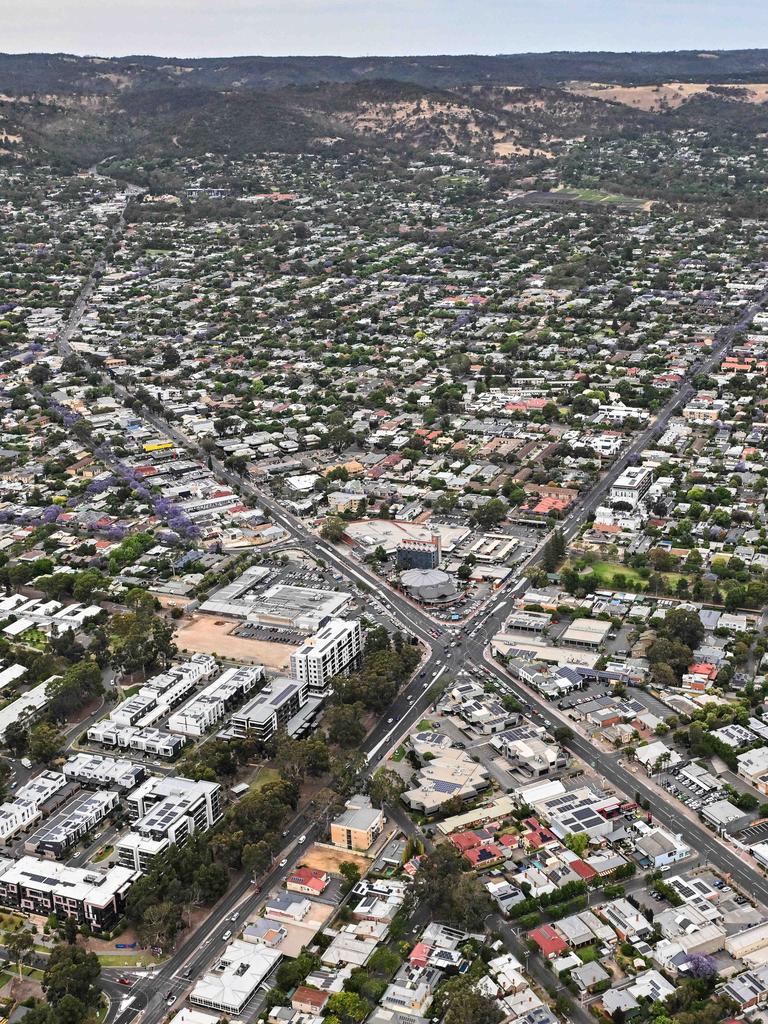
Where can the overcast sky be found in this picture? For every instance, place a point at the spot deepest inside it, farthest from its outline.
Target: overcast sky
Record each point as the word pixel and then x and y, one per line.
pixel 206 28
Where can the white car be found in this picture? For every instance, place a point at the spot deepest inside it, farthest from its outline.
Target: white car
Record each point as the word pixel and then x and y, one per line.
pixel 226 936
pixel 302 839
pixel 283 862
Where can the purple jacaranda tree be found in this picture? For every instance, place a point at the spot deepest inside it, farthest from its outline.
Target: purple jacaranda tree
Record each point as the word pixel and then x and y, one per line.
pixel 701 965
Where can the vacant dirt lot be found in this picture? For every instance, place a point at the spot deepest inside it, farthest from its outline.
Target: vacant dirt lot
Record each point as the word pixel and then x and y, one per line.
pixel 209 634
pixel 325 858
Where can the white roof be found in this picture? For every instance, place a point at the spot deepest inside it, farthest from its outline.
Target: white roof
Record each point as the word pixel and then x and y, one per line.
pixel 237 975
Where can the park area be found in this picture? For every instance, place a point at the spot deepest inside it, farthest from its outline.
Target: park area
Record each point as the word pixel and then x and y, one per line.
pixel 596 195
pixel 208 634
pixel 614 576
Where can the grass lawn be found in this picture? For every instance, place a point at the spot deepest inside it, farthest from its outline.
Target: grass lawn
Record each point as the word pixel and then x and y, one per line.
pixel 587 955
pixel 10 922
pixel 4 978
pixel 606 572
pixel 139 959
pixel 263 777
pixel 424 725
pixel 103 853
pixel 597 195
pixel 399 754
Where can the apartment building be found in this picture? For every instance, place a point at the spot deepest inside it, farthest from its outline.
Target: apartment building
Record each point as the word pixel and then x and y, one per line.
pixel 273 708
pixel 334 649
pixel 130 737
pixel 25 708
pixel 235 979
pixel 164 813
pixel 631 485
pixel 211 704
pixel 359 825
pixel 40 796
pixel 95 771
pixel 66 828
pixel 44 888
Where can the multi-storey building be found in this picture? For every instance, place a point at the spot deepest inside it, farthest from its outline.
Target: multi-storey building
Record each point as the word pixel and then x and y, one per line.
pixel 44 888
pixel 334 649
pixel 95 771
pixel 211 704
pixel 164 813
pixel 271 709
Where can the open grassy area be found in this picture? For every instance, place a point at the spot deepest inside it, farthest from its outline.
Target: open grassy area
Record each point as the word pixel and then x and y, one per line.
pixel 263 777
pixel 138 959
pixel 399 754
pixel 10 922
pixel 606 573
pixel 4 978
pixel 103 853
pixel 596 195
pixel 587 955
pixel 424 725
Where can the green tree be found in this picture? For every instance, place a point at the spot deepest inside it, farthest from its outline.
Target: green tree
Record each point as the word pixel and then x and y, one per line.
pixel 468 1006
pixel 333 529
pixel 349 1007
pixel 19 945
pixel 449 891
pixel 386 786
pixel 344 725
pixel 73 971
pixel 684 626
pixel 490 514
pixel 46 743
pixel 578 842
pixel 350 872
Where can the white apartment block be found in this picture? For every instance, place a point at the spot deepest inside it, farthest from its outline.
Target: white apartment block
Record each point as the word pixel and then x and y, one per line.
pixel 165 812
pixel 211 704
pixel 235 979
pixel 27 805
pixel 334 649
pixel 25 707
pixel 96 771
pixel 631 485
pixel 131 737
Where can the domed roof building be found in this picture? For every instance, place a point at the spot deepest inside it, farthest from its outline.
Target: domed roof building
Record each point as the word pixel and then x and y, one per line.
pixel 429 586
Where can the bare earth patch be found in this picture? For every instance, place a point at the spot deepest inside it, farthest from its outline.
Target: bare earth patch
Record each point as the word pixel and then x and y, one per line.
pixel 209 634
pixel 327 858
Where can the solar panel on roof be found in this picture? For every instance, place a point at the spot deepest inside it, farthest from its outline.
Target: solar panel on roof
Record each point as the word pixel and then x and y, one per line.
pixel 446 787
